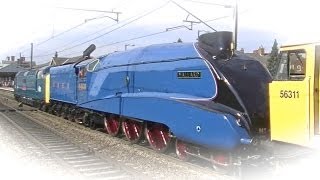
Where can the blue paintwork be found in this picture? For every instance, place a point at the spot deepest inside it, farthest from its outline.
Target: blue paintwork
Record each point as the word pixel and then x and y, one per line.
pixel 40 84
pixel 143 84
pixel 218 130
pixel 63 83
pixel 20 84
pixel 82 92
pixel 29 85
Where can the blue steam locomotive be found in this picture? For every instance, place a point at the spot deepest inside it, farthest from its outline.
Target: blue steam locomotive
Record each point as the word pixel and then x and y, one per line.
pixel 203 96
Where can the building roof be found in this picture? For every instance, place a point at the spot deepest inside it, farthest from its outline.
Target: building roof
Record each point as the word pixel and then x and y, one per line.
pixel 3 65
pixel 42 65
pixel 262 58
pixel 57 61
pixel 74 59
pixel 11 68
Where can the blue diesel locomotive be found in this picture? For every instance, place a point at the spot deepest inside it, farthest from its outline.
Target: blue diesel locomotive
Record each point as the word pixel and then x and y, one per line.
pixel 30 86
pixel 203 96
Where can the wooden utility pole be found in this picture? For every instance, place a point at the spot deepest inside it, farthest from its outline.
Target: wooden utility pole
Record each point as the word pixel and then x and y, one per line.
pixel 31 56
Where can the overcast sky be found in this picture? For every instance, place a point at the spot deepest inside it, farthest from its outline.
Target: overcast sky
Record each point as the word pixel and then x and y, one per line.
pixel 260 22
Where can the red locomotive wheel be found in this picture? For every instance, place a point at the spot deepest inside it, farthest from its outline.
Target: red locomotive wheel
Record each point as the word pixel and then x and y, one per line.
pixel 221 161
pixel 181 150
pixel 133 130
pixel 112 125
pixel 158 137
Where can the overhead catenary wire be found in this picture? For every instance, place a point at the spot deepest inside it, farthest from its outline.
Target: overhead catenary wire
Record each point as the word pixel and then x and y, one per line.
pixel 144 36
pixel 74 27
pixel 55 49
pixel 193 15
pixel 153 34
pixel 96 32
pixel 135 38
pixel 209 3
pixel 118 42
pixel 61 33
pixel 90 10
pixel 135 19
pixel 140 37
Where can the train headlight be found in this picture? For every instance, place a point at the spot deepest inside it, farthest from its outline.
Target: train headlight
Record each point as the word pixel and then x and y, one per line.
pixel 238 119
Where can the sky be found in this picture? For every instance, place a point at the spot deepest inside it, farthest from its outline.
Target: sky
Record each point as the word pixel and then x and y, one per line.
pixel 45 24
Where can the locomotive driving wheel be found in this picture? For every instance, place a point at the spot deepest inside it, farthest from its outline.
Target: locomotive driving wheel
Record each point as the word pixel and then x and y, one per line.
pixel 182 150
pixel 221 162
pixel 59 110
pixel 133 130
pixel 86 120
pixel 70 114
pixel 63 111
pixel 158 136
pixel 112 125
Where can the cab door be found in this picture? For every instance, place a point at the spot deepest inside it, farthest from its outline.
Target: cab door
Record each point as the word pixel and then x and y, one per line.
pixel 316 91
pixel 82 84
pixel 291 97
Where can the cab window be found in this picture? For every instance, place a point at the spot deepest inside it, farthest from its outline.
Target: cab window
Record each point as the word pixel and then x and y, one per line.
pixel 82 72
pixel 292 66
pixel 40 75
pixel 92 66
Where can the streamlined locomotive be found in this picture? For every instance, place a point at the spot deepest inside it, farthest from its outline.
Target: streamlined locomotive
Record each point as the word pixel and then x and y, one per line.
pixel 203 96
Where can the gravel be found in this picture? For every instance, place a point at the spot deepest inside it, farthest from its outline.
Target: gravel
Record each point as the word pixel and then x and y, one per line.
pixel 23 159
pixel 144 160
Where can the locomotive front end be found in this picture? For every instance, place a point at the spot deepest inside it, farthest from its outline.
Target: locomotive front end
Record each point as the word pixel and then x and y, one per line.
pixel 242 81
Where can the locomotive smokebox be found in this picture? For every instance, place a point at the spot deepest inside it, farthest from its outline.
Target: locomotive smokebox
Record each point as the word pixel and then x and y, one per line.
pixel 218 44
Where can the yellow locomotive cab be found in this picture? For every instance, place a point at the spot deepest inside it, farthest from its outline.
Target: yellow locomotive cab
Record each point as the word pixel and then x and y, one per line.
pixel 294 96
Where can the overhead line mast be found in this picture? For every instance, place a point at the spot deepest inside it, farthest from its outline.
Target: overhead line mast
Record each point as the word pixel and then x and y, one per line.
pixel 93 10
pixel 194 16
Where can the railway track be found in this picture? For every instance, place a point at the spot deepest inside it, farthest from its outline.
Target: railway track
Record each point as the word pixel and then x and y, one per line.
pixel 70 155
pixel 94 153
pixel 90 146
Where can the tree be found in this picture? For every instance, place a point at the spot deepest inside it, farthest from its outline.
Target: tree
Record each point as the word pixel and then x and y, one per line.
pixel 273 60
pixel 179 40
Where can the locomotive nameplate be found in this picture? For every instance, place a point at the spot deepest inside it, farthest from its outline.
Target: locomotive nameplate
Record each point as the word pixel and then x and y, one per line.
pixel 189 74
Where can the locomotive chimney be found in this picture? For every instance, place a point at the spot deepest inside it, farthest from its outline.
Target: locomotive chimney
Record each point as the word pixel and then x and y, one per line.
pixel 217 44
pixel 89 50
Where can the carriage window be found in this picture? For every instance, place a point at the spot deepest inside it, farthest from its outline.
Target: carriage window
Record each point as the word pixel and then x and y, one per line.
pixel 297 65
pixel 40 75
pixel 292 65
pixel 92 66
pixel 282 73
pixel 31 73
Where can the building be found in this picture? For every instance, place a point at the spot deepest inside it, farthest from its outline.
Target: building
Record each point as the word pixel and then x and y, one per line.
pixel 10 67
pixel 7 74
pixel 259 54
pixel 56 61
